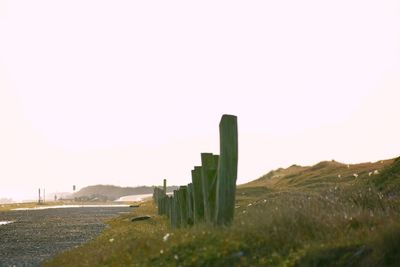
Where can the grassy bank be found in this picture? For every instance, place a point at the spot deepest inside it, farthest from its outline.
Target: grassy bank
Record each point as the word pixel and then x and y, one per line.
pixel 330 221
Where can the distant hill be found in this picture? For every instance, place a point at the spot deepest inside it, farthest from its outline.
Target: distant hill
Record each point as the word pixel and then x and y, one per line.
pixel 6 200
pixel 111 192
pixel 326 173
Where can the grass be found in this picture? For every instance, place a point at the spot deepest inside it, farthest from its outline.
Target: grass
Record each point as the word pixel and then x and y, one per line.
pixel 328 221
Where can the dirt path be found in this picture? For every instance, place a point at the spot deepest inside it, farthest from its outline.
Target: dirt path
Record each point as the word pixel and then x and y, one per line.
pixel 37 235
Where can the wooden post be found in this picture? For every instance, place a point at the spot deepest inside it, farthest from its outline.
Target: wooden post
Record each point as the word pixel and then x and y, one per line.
pixel 168 206
pixel 39 196
pixel 165 186
pixel 173 217
pixel 209 168
pixel 183 205
pixel 177 209
pixel 227 170
pixel 159 201
pixel 198 202
pixel 190 203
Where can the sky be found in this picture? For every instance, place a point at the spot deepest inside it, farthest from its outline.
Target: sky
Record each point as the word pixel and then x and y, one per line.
pixel 131 92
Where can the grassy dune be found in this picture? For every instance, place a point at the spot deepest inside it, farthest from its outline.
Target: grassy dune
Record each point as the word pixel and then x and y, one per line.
pixel 300 216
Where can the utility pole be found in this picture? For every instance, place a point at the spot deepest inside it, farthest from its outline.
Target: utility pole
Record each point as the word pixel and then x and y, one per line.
pixel 39 196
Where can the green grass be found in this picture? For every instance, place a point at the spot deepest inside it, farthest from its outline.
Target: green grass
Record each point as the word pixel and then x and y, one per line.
pixel 389 179
pixel 344 222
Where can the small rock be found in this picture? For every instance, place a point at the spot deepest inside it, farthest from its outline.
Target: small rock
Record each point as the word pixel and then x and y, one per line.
pixel 237 254
pixel 140 218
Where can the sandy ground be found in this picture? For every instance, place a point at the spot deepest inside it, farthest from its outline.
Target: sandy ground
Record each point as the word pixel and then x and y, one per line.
pixel 37 235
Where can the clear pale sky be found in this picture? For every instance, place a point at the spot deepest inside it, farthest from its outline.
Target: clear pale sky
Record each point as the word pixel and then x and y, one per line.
pixel 131 92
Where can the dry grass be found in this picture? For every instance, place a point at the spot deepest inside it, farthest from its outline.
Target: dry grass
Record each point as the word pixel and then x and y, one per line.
pixel 342 223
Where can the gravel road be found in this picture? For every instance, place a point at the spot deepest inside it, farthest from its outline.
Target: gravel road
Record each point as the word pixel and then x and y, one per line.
pixel 37 235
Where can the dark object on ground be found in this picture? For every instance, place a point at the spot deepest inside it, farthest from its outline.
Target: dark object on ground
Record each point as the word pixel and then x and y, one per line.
pixel 141 218
pixel 38 235
pixel 134 206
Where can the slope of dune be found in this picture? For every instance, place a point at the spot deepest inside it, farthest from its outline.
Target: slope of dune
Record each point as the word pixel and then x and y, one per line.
pixel 323 174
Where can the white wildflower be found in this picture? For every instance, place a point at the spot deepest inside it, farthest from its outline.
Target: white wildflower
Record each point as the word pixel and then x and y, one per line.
pixel 176 257
pixel 111 240
pixel 165 238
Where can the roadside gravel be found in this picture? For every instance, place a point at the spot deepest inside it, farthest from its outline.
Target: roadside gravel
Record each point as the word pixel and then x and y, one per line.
pixel 37 235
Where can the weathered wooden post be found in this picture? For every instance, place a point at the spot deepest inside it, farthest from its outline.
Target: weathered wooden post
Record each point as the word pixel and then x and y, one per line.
pixel 183 205
pixel 168 206
pixel 163 204
pixel 227 170
pixel 165 186
pixel 176 210
pixel 190 203
pixel 209 168
pixel 159 201
pixel 198 202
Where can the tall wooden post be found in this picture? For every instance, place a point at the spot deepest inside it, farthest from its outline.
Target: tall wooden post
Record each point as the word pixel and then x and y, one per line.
pixel 177 209
pixel 183 205
pixel 209 168
pixel 198 202
pixel 227 170
pixel 190 203
pixel 165 186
